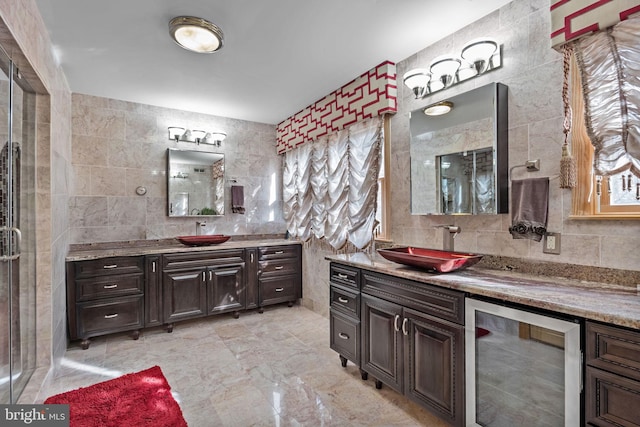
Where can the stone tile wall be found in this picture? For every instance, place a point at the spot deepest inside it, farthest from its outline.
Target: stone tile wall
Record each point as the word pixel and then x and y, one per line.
pixel 118 146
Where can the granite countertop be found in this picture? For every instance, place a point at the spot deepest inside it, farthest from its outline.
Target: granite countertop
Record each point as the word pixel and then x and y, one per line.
pixel 89 251
pixel 605 302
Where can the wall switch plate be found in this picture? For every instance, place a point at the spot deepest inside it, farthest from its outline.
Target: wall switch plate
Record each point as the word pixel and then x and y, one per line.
pixel 551 243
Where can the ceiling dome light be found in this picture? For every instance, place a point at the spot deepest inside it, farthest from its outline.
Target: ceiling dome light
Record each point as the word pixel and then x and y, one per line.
pixel 439 108
pixel 196 34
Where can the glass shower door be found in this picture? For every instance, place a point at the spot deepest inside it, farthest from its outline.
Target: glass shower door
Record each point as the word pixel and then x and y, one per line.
pixel 17 232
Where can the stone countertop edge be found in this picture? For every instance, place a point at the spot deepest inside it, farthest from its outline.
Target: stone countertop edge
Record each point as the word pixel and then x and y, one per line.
pixel 604 302
pixel 85 252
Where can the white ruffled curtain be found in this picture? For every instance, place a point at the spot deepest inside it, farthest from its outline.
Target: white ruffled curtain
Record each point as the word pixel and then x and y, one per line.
pixel 609 63
pixel 330 186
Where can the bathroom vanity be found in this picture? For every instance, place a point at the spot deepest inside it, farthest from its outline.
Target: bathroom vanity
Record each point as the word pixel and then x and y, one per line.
pixel 130 287
pixel 408 330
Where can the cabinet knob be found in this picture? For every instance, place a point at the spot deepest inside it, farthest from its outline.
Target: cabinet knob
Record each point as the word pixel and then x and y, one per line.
pixel 343 300
pixel 343 336
pixel 115 285
pixel 111 316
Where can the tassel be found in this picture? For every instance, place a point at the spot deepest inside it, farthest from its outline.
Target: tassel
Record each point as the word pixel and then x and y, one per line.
pixel 568 170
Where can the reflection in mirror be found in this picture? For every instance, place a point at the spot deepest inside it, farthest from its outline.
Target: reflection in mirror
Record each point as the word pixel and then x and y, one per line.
pixel 459 160
pixel 195 183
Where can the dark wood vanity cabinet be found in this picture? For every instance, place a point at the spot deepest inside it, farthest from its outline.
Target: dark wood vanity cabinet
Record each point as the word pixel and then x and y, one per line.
pixel 344 314
pixel 411 337
pixel 105 296
pixel 612 380
pixel 115 294
pixel 201 283
pixel 279 275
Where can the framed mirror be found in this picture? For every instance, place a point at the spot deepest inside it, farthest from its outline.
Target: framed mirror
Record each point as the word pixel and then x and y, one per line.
pixel 195 183
pixel 459 160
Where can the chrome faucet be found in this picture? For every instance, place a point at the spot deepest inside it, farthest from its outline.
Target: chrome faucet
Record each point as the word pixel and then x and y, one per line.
pixel 449 232
pixel 199 225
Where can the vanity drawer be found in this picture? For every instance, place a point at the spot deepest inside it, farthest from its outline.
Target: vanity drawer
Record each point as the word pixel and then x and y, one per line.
pixel 613 349
pixel 109 286
pixel 107 266
pixel 345 336
pixel 108 316
pixel 277 252
pixel 345 301
pixel 344 275
pixel 283 266
pixel 278 289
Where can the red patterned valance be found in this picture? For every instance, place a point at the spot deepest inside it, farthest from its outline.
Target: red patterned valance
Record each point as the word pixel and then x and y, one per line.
pixel 372 94
pixel 571 19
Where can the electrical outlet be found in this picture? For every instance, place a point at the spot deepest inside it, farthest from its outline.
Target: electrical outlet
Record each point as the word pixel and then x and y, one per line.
pixel 551 243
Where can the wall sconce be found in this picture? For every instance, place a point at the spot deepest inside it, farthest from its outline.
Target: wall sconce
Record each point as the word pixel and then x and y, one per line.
pixel 477 57
pixel 196 136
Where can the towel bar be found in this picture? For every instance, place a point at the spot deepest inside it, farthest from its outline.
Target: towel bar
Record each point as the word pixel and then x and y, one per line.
pixel 531 165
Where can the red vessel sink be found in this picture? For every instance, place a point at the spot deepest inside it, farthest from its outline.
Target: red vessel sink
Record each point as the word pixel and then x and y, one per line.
pixel 205 240
pixel 430 259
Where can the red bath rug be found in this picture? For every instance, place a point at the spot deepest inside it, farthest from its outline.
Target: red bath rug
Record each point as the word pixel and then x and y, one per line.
pixel 138 399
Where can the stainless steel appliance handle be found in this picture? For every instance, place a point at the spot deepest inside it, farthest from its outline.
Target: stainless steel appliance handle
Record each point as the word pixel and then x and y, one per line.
pixel 18 234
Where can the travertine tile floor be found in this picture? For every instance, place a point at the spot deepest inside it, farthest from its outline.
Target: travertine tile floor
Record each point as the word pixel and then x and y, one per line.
pixel 270 369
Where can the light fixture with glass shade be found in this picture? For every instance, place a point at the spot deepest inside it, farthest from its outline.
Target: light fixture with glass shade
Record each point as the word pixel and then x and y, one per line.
pixel 418 81
pixel 477 57
pixel 444 69
pixel 180 134
pixel 439 108
pixel 196 34
pixel 479 53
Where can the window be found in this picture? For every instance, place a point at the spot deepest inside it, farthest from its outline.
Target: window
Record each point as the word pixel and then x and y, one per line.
pixel 597 197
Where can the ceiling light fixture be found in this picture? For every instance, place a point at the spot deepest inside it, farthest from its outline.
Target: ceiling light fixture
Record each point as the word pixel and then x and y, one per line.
pixel 196 34
pixel 477 57
pixel 180 134
pixel 439 108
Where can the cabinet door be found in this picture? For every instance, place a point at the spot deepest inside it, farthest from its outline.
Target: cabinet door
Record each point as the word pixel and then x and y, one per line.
pixel 225 289
pixel 434 364
pixel 382 340
pixel 152 292
pixel 184 294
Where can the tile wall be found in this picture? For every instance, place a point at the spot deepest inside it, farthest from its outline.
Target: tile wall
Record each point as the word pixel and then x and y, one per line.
pixel 118 146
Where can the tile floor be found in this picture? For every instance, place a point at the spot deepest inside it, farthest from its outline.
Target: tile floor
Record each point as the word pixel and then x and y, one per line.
pixel 270 369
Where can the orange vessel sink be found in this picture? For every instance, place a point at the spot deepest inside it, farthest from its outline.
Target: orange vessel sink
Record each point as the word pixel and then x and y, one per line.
pixel 430 259
pixel 204 240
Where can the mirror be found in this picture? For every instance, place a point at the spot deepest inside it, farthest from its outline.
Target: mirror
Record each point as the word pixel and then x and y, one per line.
pixel 459 160
pixel 195 183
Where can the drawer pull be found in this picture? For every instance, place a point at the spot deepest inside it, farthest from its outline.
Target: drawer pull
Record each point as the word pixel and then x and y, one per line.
pixel 279 289
pixel 395 323
pixel 153 267
pixel 342 276
pixel 278 252
pixel 404 326
pixel 111 316
pixel 343 336
pixel 110 286
pixel 343 300
pixel 110 266
pixel 279 267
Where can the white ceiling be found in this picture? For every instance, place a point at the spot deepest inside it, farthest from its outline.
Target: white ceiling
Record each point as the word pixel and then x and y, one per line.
pixel 279 56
